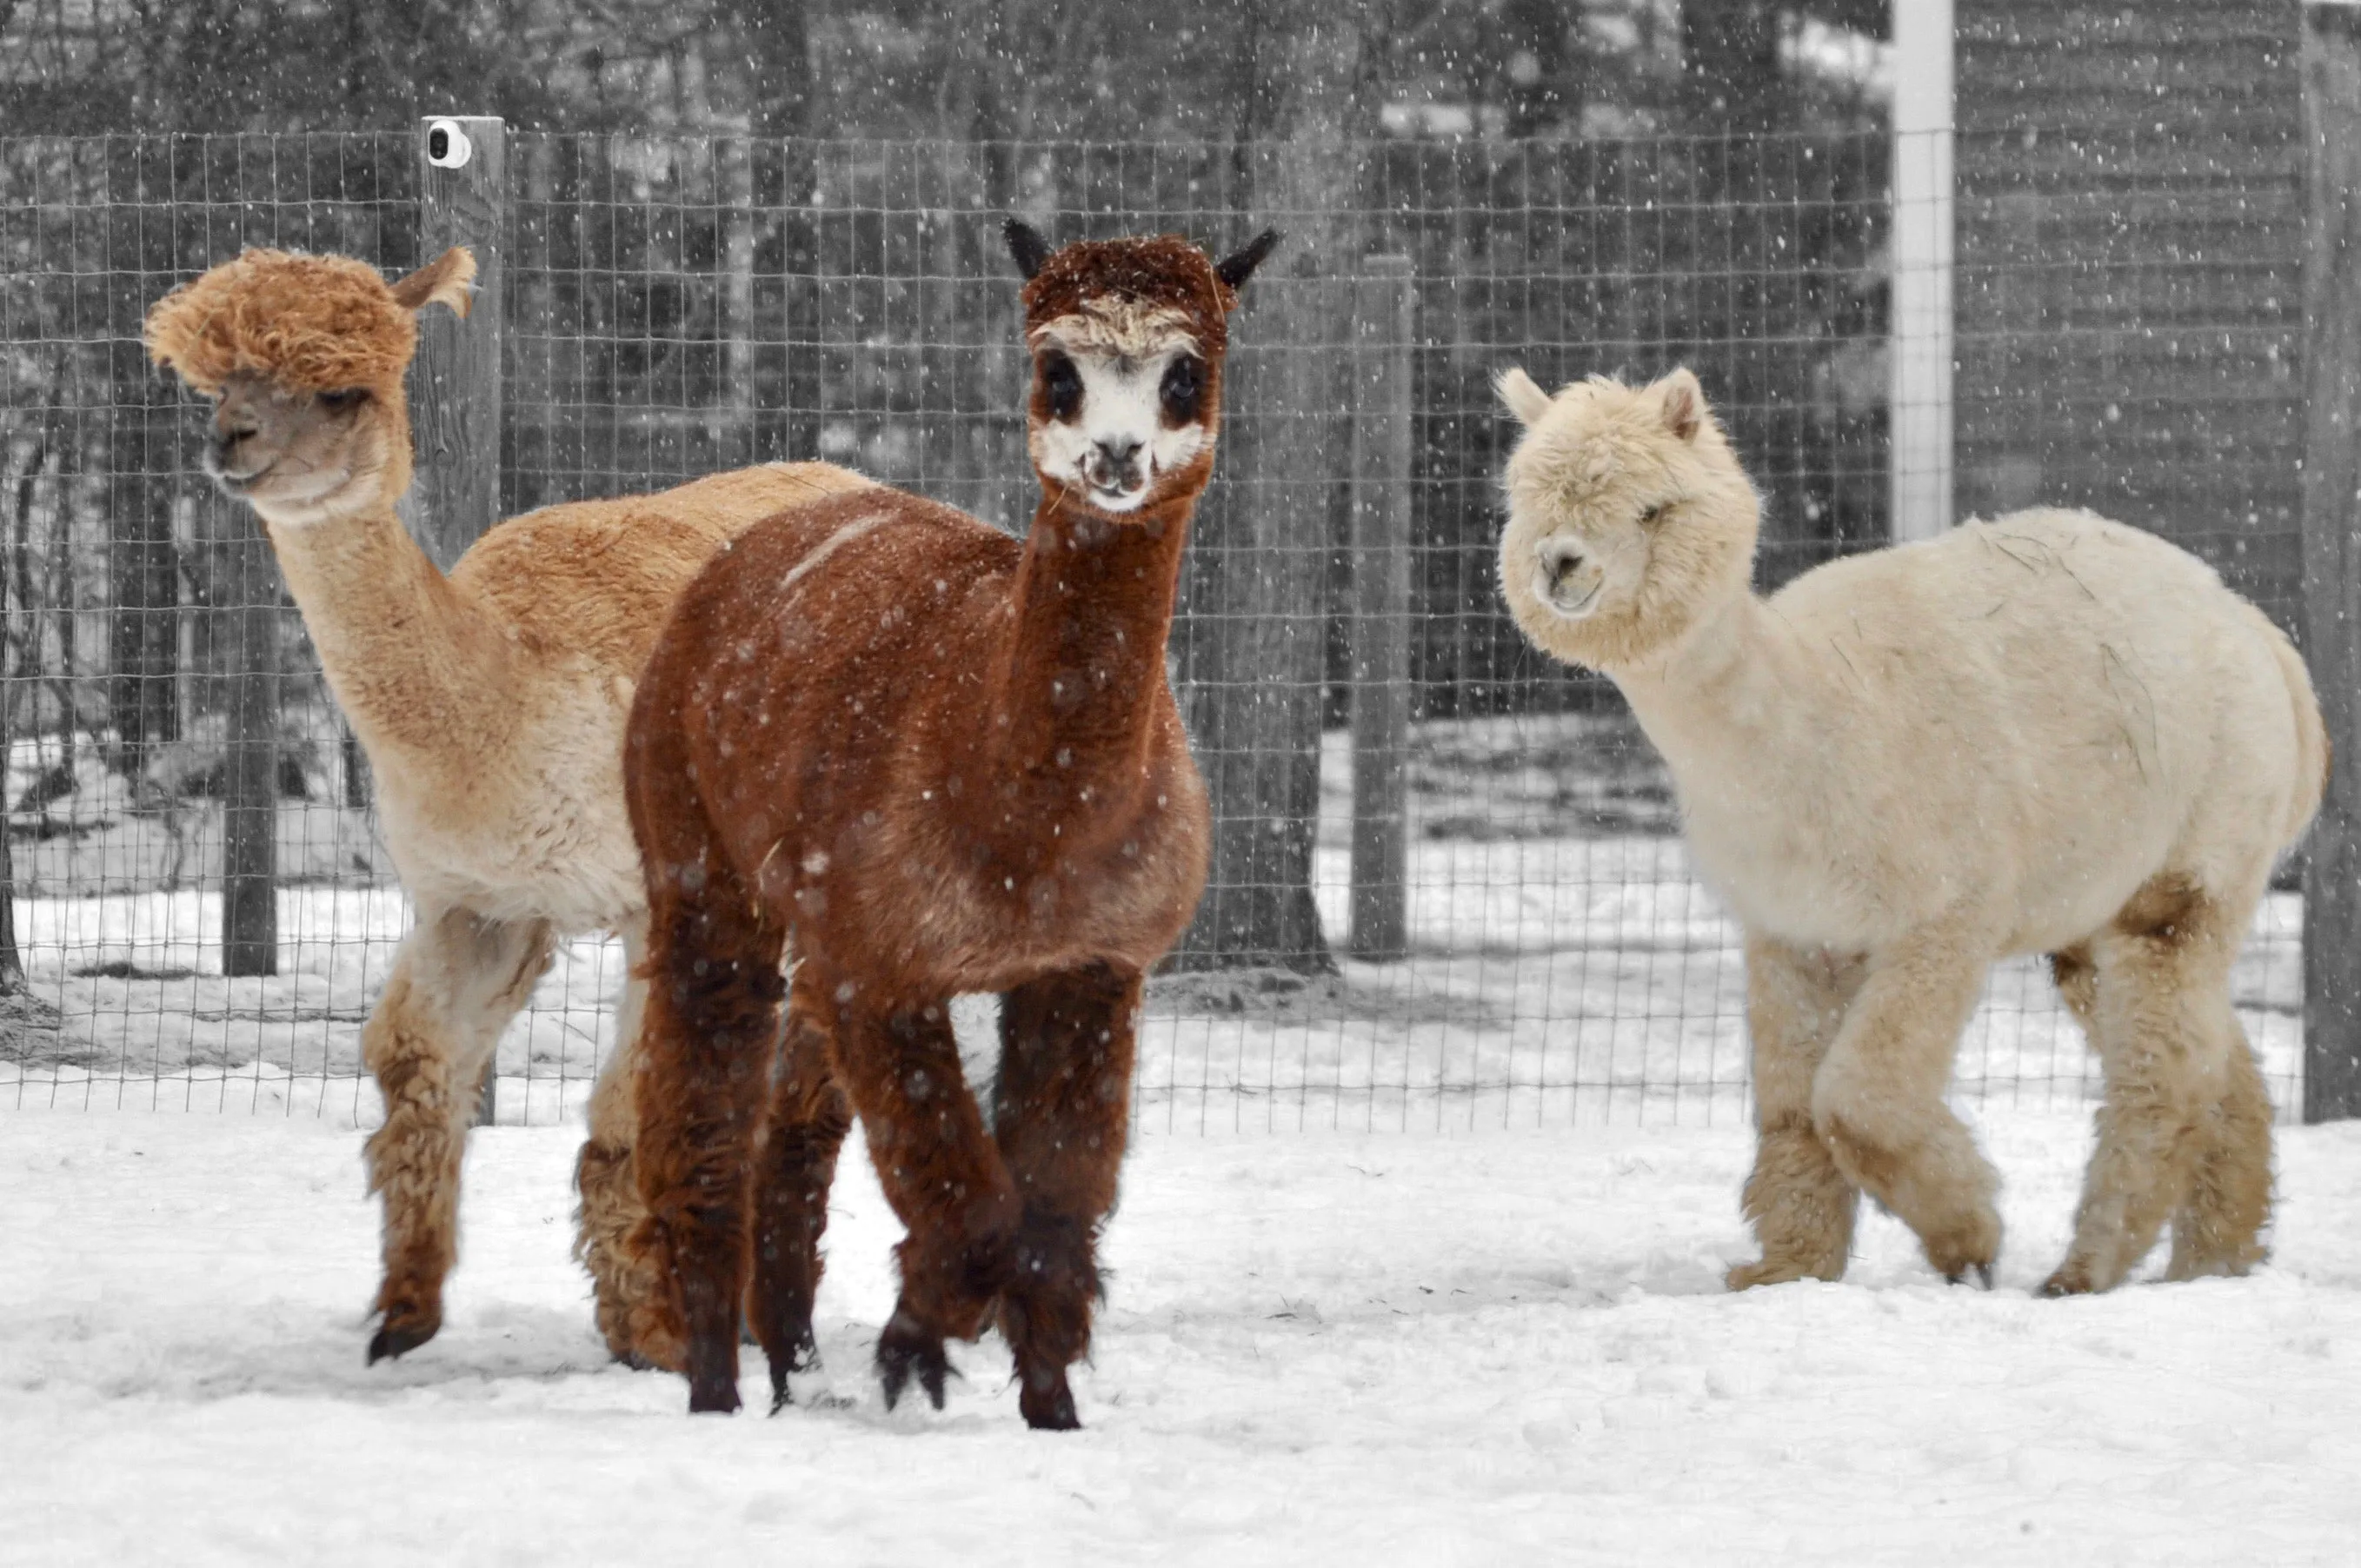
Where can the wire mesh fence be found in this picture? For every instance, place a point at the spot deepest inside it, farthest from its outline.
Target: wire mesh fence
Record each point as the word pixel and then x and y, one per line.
pixel 676 305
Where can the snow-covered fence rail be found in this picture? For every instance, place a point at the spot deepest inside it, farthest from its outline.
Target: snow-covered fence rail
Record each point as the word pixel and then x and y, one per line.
pixel 680 304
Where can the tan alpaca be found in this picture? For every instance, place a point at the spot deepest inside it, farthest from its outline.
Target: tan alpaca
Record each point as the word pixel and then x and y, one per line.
pixel 492 704
pixel 2044 734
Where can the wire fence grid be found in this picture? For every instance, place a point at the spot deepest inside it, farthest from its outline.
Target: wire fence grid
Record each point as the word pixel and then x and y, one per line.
pixel 676 305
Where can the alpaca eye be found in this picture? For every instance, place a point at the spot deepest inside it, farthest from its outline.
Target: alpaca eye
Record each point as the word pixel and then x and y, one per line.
pixel 344 397
pixel 1184 385
pixel 1063 385
pixel 1654 514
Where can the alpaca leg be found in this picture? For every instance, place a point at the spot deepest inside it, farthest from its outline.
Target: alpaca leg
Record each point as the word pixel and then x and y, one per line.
pixel 1061 1114
pixel 456 982
pixel 1877 1099
pixel 2166 1042
pixel 2218 1229
pixel 941 1174
pixel 705 1050
pixel 1799 1203
pixel 796 1166
pixel 630 1301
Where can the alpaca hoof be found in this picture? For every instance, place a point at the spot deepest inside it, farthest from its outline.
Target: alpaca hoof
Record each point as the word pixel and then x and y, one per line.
pixel 2225 1263
pixel 1747 1276
pixel 1050 1408
pixel 389 1342
pixel 905 1348
pixel 712 1377
pixel 2181 1273
pixel 644 1335
pixel 397 1337
pixel 713 1397
pixel 2069 1280
pixel 802 1356
pixel 645 1346
pixel 1972 1246
pixel 712 1368
pixel 1983 1272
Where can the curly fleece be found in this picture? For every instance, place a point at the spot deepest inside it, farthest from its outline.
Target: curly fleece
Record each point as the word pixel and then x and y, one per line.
pixel 317 323
pixel 1145 271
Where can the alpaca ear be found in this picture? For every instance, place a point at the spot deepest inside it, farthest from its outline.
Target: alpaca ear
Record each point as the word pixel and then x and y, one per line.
pixel 1025 243
pixel 1524 400
pixel 1235 269
pixel 444 281
pixel 1683 403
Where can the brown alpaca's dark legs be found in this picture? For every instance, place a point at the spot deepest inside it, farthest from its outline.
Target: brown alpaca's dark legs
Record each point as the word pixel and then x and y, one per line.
pixel 809 1116
pixel 1062 1111
pixel 706 1045
pixel 942 1176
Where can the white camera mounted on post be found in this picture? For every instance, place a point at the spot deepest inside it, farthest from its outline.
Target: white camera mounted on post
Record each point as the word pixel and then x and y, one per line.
pixel 447 145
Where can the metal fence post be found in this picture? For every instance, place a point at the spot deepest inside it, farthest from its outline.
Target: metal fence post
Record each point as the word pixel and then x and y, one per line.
pixel 455 384
pixel 1922 329
pixel 1384 317
pixel 2332 553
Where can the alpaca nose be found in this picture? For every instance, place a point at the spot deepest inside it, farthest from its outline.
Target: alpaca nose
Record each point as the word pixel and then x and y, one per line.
pixel 228 430
pixel 1560 558
pixel 1114 464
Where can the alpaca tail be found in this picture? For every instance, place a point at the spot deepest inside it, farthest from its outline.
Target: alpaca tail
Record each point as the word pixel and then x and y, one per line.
pixel 2312 752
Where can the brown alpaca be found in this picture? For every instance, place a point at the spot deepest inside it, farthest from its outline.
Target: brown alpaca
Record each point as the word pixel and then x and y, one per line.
pixel 492 704
pixel 937 761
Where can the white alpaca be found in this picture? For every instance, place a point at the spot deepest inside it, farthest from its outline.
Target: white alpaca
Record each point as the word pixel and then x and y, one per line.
pixel 2048 733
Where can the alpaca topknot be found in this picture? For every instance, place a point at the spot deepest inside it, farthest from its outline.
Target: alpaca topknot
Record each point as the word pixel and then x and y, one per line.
pixel 314 324
pixel 1151 271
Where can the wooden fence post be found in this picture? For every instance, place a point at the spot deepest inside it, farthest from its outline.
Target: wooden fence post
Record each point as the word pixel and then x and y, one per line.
pixel 1385 318
pixel 455 383
pixel 12 628
pixel 250 777
pixel 2332 553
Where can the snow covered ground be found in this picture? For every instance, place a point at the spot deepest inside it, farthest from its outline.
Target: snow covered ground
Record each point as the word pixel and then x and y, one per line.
pixel 1463 1306
pixel 1502 1347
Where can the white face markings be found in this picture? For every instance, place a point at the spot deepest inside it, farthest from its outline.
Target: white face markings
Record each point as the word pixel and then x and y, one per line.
pixel 1126 402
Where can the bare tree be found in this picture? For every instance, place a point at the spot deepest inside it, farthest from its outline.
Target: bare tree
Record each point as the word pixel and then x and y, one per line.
pixel 1253 662
pixel 144 429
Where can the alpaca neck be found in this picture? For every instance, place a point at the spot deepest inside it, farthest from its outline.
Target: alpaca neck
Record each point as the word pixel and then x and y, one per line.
pixel 1719 701
pixel 1092 606
pixel 409 660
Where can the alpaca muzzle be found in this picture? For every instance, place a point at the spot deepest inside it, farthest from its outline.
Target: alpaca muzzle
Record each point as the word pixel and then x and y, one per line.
pixel 1565 579
pixel 222 464
pixel 1115 469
